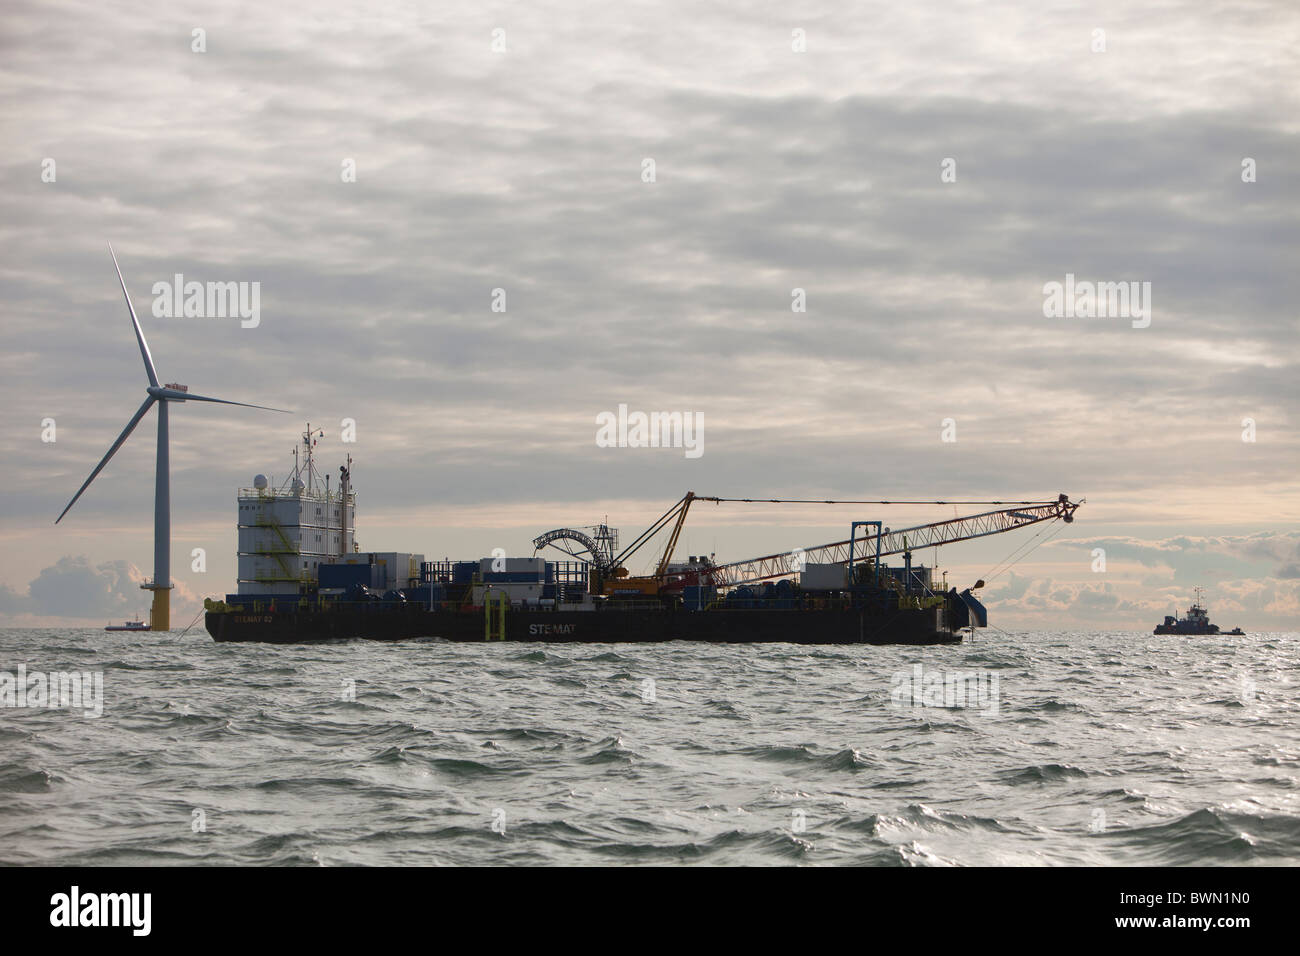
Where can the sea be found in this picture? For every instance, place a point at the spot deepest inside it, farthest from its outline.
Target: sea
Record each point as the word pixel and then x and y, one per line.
pixel 1014 749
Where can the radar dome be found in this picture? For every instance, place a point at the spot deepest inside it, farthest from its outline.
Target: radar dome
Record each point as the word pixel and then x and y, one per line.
pixel 259 482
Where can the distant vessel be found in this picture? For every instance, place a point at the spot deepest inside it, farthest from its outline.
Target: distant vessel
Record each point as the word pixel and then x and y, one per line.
pixel 1197 621
pixel 128 626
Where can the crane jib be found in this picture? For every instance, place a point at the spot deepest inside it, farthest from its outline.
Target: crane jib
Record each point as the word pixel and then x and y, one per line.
pixel 898 541
pixel 887 542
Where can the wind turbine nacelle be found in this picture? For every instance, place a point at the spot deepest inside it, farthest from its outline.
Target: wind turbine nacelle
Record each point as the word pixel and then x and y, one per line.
pixel 172 393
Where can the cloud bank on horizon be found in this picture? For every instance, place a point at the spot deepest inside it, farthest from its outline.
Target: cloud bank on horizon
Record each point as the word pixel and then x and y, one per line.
pixel 458 244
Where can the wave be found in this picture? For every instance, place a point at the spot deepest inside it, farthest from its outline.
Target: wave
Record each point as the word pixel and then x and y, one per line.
pixel 609 750
pixel 31 781
pixel 920 816
pixel 1210 835
pixel 1042 773
pixel 727 710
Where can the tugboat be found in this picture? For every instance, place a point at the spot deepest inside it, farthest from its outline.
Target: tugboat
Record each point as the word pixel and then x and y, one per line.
pixel 1197 621
pixel 128 626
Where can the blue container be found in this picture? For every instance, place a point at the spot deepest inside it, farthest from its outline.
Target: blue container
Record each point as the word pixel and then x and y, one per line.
pixel 345 575
pixel 695 597
pixel 510 577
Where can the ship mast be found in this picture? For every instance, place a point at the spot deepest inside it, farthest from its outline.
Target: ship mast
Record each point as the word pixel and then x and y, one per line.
pixel 345 488
pixel 307 463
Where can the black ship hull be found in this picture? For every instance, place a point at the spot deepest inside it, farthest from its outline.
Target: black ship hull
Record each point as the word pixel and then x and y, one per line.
pixel 1211 630
pixel 606 626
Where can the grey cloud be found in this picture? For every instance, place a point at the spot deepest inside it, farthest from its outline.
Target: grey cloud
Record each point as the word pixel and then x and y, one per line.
pixel 1219 554
pixel 73 588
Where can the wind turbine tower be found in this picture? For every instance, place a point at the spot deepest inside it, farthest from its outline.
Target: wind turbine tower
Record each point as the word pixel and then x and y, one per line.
pixel 162 396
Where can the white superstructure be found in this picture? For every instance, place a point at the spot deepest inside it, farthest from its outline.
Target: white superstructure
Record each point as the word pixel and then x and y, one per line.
pixel 285 534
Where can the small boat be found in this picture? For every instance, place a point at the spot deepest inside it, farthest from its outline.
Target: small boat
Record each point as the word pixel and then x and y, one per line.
pixel 1197 621
pixel 128 626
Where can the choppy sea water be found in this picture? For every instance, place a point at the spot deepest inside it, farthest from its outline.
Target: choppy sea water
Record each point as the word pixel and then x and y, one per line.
pixel 1089 748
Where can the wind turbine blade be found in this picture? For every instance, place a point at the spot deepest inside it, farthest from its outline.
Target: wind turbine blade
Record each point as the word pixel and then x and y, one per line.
pixel 111 452
pixel 139 333
pixel 191 397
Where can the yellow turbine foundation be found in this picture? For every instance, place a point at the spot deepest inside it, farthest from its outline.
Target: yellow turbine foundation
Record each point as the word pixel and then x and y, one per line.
pixel 160 617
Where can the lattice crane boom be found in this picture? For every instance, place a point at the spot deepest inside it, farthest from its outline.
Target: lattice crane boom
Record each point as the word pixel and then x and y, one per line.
pixel 896 541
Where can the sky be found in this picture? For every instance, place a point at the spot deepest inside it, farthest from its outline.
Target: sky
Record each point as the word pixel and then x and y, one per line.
pixel 561 208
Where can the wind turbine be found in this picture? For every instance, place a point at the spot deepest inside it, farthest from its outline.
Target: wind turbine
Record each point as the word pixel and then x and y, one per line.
pixel 161 395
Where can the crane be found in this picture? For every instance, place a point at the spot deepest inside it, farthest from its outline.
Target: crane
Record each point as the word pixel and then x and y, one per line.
pixel 611 575
pixel 896 541
pixel 609 570
pixel 616 578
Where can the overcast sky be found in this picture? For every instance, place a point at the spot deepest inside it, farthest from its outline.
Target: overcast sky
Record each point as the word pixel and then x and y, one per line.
pixel 774 169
